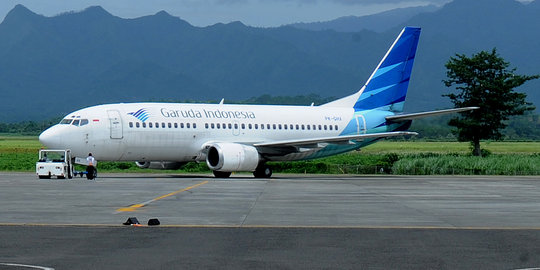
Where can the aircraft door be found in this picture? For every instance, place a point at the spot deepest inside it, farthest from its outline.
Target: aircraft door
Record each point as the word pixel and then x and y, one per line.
pixel 360 124
pixel 115 122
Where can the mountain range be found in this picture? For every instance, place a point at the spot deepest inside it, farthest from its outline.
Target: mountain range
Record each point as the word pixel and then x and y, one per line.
pixel 50 66
pixel 379 22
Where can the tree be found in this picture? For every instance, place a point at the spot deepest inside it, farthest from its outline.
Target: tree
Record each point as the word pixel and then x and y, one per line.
pixel 484 80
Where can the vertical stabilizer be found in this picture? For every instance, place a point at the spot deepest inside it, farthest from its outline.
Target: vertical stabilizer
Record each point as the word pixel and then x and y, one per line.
pixel 386 88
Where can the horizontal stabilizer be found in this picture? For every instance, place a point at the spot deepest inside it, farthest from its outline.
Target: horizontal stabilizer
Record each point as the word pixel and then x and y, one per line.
pixel 334 140
pixel 412 116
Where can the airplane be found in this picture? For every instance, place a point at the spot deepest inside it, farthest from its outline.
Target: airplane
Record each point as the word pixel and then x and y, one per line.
pixel 232 138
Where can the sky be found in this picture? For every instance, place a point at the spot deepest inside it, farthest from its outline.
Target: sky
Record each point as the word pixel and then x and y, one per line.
pixel 260 13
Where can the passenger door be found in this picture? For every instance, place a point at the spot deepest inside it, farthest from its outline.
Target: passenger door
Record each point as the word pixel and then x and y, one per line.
pixel 360 124
pixel 115 124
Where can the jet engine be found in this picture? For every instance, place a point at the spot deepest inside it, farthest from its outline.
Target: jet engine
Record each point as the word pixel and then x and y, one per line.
pixel 160 165
pixel 232 157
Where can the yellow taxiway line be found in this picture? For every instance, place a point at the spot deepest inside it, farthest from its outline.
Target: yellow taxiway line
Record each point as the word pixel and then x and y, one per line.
pixel 134 207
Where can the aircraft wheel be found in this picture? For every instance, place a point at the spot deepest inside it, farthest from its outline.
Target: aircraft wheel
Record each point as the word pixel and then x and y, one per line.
pixel 219 174
pixel 44 177
pixel 263 171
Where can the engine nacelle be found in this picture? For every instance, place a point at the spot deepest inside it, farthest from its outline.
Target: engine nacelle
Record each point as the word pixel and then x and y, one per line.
pixel 160 165
pixel 232 157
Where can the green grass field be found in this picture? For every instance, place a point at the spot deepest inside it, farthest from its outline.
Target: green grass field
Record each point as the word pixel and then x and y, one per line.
pixel 414 147
pixel 19 153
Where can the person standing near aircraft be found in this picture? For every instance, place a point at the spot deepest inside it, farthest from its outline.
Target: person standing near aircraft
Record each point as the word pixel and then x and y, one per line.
pixel 90 168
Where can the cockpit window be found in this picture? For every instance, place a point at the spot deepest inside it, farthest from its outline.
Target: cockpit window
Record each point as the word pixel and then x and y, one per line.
pixel 75 122
pixel 66 121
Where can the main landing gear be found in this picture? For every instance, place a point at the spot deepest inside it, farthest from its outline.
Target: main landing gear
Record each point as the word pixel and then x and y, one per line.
pixel 262 171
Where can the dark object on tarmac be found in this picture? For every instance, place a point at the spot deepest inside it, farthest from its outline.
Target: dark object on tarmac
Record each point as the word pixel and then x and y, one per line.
pixel 131 221
pixel 153 222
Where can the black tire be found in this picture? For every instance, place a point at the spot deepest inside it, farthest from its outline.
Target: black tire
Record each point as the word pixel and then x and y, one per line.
pixel 263 171
pixel 219 174
pixel 44 177
pixel 60 177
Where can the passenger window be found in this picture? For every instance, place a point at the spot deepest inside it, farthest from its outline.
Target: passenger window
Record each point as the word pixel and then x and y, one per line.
pixel 181 125
pixel 256 126
pixel 235 126
pixel 330 126
pixel 187 125
pixel 175 125
pixel 130 124
pixel 205 125
pixel 212 125
pixel 308 127
pixel 75 123
pixel 268 126
pixel 325 127
pixel 84 122
pixel 262 126
pixel 336 127
pixel 274 126
pixel 303 127
pixel 169 125
pixel 285 126
pixel 230 126
pixel 150 125
pixel 314 127
pixel 137 124
pixel 218 125
pixel 249 126
pixel 143 124
pixel 194 125
pixel 291 126
pixel 157 125
pixel 243 126
pixel 320 127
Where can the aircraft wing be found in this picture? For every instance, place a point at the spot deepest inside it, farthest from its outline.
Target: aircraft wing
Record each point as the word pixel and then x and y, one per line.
pixel 335 140
pixel 412 116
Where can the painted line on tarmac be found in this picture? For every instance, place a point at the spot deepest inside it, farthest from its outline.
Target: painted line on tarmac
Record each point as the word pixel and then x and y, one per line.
pixel 135 207
pixel 27 266
pixel 260 226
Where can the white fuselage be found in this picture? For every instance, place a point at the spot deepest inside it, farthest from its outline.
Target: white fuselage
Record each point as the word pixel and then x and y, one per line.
pixel 178 132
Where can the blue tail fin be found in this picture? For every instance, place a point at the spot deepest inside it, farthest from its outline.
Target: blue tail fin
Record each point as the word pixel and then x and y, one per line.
pixel 387 87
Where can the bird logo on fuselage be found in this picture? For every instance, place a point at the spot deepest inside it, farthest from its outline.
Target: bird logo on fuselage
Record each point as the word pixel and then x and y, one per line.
pixel 141 114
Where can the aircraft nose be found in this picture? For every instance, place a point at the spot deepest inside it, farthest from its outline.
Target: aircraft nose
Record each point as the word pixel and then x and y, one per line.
pixel 51 138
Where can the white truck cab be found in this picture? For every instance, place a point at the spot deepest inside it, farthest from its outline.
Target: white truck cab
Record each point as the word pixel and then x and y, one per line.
pixel 54 163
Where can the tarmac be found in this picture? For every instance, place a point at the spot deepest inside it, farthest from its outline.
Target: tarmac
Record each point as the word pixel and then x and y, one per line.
pixel 286 222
